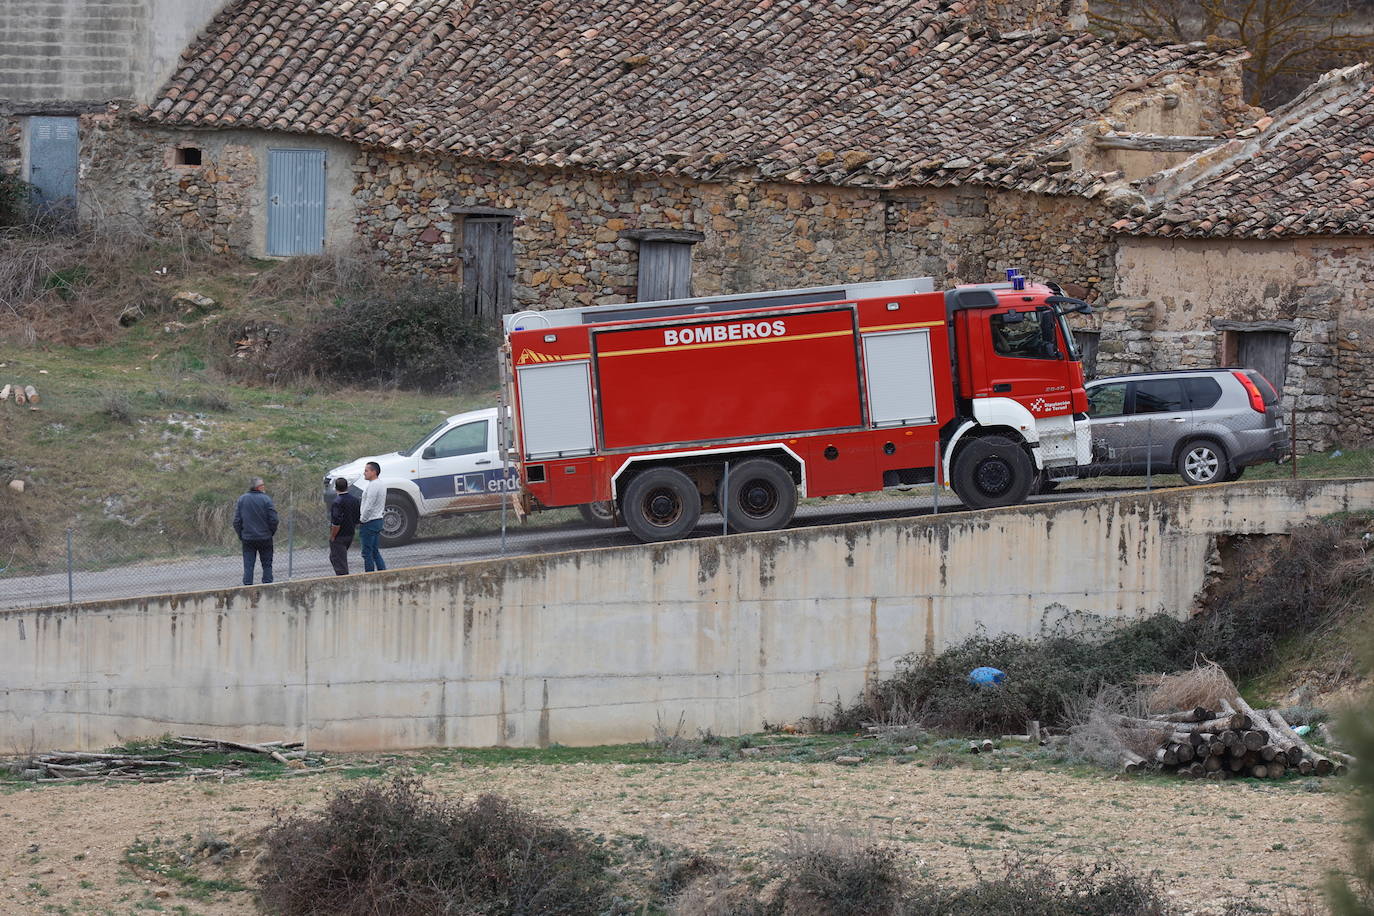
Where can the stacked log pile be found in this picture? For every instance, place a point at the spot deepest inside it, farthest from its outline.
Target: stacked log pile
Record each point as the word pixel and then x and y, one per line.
pixel 1229 741
pixel 184 756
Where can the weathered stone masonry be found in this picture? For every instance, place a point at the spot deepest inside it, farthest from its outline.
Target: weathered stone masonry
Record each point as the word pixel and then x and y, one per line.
pixel 570 229
pixel 1174 293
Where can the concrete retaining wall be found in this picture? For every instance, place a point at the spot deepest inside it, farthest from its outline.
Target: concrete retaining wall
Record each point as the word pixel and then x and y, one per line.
pixel 596 646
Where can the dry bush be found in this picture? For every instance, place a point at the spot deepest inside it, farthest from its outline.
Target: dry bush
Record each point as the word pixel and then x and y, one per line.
pixel 321 277
pixel 393 849
pixel 20 534
pixel 716 894
pixel 829 874
pixel 1031 888
pixel 1095 730
pixel 1204 685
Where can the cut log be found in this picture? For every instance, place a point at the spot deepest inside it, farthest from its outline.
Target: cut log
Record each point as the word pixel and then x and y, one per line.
pixel 1131 762
pixel 1167 755
pixel 1322 766
pixel 1305 767
pixel 1240 719
pixel 1277 769
pixel 1212 764
pixel 1197 769
pixel 1185 752
pixel 1212 725
pixel 1196 714
pixel 1292 753
pixel 1268 753
pixel 1259 771
pixel 1230 737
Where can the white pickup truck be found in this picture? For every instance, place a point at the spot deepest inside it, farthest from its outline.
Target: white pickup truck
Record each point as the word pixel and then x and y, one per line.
pixel 453 469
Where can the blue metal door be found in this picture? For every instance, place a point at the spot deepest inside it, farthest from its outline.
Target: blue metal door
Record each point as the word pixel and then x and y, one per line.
pixel 295 201
pixel 54 157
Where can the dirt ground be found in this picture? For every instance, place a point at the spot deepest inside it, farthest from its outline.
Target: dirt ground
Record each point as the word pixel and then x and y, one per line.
pixel 63 848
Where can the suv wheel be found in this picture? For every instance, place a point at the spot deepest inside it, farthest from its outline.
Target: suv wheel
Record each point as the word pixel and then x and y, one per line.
pixel 1202 461
pixel 398 521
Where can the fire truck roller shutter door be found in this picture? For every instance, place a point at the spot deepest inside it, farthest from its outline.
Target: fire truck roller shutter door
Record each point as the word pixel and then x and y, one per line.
pixel 761 496
pixel 556 409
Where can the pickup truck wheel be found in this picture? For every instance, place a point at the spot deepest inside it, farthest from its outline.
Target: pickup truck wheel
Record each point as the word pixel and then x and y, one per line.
pixel 992 471
pixel 761 496
pixel 398 521
pixel 1202 461
pixel 661 504
pixel 598 514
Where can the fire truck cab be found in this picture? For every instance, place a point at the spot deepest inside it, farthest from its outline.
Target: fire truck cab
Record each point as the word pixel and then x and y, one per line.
pixel 738 403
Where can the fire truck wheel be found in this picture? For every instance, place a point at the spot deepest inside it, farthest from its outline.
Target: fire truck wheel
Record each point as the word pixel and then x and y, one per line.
pixel 599 514
pixel 398 521
pixel 761 496
pixel 661 504
pixel 992 471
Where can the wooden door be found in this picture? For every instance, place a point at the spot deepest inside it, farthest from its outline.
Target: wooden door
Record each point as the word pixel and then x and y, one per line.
pixel 1265 352
pixel 665 271
pixel 488 266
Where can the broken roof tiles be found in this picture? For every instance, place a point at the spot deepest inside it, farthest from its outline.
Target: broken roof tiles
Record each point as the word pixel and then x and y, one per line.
pixel 843 92
pixel 1309 172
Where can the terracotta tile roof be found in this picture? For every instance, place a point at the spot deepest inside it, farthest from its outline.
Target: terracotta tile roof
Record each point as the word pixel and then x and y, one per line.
pixel 1307 170
pixel 858 92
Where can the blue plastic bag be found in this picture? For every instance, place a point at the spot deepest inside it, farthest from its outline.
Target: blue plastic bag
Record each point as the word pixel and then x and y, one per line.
pixel 985 677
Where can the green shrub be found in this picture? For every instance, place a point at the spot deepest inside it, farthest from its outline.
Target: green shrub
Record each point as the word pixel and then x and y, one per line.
pixel 1278 589
pixel 415 335
pixel 14 200
pixel 392 849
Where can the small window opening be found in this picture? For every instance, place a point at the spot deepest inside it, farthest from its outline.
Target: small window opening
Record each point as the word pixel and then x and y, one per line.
pixel 188 155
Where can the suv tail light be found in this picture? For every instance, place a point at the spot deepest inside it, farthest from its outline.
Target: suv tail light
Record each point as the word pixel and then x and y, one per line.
pixel 1256 399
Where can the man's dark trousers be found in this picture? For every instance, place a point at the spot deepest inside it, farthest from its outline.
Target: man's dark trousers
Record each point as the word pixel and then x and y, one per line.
pixel 252 550
pixel 338 554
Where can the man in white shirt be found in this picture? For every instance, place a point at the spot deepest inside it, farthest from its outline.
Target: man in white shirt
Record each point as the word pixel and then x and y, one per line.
pixel 370 518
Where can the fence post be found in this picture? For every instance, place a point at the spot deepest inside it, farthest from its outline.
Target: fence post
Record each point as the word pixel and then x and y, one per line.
pixel 1293 442
pixel 71 590
pixel 505 498
pixel 290 532
pixel 935 480
pixel 724 500
pixel 1149 452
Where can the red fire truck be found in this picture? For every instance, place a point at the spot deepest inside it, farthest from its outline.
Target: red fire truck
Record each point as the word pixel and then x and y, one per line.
pixel 664 410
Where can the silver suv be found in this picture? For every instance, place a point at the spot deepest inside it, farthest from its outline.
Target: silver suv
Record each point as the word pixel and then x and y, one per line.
pixel 1207 425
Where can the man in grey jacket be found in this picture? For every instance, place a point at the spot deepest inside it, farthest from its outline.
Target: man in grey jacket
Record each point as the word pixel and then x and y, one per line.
pixel 255 522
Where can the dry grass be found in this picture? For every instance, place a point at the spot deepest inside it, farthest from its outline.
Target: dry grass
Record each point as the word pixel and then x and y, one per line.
pixel 71 288
pixel 1205 685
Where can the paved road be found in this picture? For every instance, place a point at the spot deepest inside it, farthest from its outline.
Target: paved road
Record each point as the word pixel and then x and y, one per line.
pixel 313 561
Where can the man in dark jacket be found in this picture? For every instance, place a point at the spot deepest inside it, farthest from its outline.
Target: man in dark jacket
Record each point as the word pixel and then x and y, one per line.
pixel 255 522
pixel 343 521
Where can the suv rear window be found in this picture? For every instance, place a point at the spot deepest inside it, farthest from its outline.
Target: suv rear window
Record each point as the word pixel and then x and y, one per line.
pixel 1267 391
pixel 1159 396
pixel 1202 392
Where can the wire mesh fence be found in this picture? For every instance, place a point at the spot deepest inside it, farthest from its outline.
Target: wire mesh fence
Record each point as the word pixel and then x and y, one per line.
pixel 119 558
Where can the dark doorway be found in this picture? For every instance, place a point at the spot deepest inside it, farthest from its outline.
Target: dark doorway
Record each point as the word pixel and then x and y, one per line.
pixel 1087 350
pixel 488 265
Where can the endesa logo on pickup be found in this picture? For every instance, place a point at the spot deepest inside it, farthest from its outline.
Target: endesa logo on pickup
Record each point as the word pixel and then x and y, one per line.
pixel 714 333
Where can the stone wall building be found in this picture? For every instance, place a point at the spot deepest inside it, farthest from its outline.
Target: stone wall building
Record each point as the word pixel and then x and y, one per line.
pixel 62 61
pixel 549 156
pixel 1260 252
